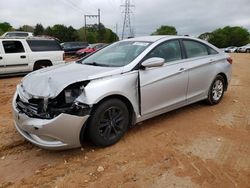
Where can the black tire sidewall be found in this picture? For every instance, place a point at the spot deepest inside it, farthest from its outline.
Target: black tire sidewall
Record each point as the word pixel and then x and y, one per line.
pixel 93 122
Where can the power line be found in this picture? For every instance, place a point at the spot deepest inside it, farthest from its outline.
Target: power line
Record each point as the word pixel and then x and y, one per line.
pixel 71 2
pixel 66 2
pixel 91 4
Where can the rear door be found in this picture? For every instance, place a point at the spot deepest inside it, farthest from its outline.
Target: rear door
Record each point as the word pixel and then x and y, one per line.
pixel 200 61
pixel 166 86
pixel 15 57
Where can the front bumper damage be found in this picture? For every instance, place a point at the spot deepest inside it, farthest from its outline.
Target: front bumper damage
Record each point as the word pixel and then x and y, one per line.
pixel 60 132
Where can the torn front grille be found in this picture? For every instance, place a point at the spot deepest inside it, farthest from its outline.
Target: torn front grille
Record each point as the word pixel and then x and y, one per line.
pixel 31 109
pixel 34 108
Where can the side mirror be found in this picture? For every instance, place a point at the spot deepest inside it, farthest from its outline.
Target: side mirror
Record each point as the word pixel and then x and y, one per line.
pixel 153 62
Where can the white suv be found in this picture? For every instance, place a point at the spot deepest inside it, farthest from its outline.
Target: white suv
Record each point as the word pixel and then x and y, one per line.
pixel 25 55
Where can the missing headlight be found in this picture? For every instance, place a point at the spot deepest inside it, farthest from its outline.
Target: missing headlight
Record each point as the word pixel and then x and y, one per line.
pixel 73 91
pixel 71 94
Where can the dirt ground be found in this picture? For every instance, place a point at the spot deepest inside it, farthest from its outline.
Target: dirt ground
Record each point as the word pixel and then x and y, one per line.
pixel 195 146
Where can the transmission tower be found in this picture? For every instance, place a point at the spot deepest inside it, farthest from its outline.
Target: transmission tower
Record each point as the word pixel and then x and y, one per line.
pixel 127 22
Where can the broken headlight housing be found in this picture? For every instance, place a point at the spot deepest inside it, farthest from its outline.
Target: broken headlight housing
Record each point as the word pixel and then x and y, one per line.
pixel 73 91
pixel 71 94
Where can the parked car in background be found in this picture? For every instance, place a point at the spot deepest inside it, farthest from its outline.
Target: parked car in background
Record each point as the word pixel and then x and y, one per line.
pixel 48 37
pixel 16 34
pixel 126 82
pixel 244 49
pixel 70 48
pixel 91 48
pixel 20 56
pixel 231 49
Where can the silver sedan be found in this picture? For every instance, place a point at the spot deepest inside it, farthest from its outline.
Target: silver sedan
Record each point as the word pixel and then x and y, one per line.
pixel 127 82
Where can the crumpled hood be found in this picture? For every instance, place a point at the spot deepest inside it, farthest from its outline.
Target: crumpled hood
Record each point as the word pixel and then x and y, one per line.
pixel 49 82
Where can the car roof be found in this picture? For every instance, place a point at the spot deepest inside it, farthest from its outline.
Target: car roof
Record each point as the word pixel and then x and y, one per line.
pixel 154 38
pixel 26 38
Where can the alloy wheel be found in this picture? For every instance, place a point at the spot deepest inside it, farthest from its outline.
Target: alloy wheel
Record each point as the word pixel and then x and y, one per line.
pixel 111 123
pixel 217 90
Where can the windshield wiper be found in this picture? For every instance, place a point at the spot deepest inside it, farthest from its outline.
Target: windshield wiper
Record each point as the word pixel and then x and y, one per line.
pixel 97 64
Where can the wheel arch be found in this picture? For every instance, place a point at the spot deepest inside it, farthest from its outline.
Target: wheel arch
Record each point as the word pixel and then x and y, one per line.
pixel 42 61
pixel 124 99
pixel 225 79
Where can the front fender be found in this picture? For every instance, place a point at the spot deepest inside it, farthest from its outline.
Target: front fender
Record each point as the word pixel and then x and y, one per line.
pixel 125 85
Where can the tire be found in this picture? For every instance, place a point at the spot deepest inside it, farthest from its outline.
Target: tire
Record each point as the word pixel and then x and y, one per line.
pixel 248 51
pixel 216 90
pixel 41 64
pixel 108 123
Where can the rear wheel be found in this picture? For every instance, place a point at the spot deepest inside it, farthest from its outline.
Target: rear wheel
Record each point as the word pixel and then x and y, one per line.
pixel 216 90
pixel 108 123
pixel 248 50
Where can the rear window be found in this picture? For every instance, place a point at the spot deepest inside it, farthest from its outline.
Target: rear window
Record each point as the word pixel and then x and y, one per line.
pixel 44 45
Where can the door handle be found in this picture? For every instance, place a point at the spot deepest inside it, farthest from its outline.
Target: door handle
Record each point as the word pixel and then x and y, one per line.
pixel 182 69
pixel 211 60
pixel 1 57
pixel 22 56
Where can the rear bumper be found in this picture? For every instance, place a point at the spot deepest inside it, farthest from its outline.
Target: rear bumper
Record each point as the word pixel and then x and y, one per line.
pixel 62 132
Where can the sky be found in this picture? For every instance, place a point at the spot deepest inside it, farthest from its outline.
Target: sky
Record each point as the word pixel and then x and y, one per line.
pixel 190 17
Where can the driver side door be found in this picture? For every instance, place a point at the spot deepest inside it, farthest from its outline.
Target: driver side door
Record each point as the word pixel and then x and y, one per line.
pixel 164 88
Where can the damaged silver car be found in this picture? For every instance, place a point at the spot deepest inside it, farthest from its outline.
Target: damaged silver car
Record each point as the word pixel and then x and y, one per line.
pixel 102 95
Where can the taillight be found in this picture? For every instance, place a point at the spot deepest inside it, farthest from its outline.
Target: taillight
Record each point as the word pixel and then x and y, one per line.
pixel 230 60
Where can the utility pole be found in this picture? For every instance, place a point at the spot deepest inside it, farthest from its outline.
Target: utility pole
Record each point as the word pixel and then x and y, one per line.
pixel 127 22
pixel 99 19
pixel 85 28
pixel 89 16
pixel 116 29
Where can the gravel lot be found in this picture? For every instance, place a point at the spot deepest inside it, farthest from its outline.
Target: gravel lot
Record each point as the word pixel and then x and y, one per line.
pixel 195 146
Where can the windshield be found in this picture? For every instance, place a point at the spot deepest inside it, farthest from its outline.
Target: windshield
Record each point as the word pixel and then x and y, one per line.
pixel 116 55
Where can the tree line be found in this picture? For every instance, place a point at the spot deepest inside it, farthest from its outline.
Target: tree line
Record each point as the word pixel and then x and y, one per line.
pixel 221 37
pixel 97 33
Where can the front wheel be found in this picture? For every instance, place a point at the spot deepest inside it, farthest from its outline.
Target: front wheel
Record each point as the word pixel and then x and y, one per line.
pixel 108 123
pixel 216 90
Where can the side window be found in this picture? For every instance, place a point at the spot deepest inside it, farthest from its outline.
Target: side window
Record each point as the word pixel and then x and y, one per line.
pixel 212 51
pixel 195 49
pixel 170 51
pixel 44 45
pixel 13 47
